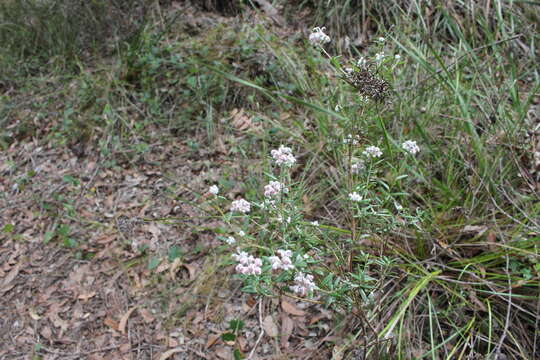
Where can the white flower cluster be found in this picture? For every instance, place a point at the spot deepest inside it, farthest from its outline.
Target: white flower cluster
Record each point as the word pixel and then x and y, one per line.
pixel 354 196
pixel 283 263
pixel 372 151
pixel 379 56
pixel 214 190
pixel 240 205
pixel 274 188
pixel 230 240
pixel 350 139
pixel 303 284
pixel 410 146
pixel 283 156
pixel 362 62
pixel 357 167
pixel 318 37
pixel 248 264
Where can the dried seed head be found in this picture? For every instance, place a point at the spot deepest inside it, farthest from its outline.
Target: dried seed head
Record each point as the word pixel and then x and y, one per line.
pixel 369 84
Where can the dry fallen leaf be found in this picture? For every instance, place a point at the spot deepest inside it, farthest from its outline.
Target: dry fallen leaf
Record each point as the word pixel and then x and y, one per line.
pixel 242 122
pixel 85 297
pixel 123 321
pixel 147 317
pixel 287 327
pixel 479 230
pixel 9 278
pixel 269 326
pixel 111 323
pixel 33 314
pixel 169 353
pixel 224 353
pixel 212 339
pixel 291 309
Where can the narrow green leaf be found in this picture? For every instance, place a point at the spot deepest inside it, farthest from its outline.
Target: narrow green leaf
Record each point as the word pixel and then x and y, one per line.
pixel 403 308
pixel 228 336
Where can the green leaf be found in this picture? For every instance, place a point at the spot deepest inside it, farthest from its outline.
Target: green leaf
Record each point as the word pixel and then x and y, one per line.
pixel 70 180
pixel 70 242
pixel 228 336
pixel 174 252
pixel 48 237
pixel 238 354
pixel 63 230
pixel 8 228
pixel 153 263
pixel 422 283
pixel 236 325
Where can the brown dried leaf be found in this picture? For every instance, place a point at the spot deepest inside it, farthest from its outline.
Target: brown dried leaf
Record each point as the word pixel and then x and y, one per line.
pixel 269 326
pixel 123 321
pixel 33 314
pixel 287 327
pixel 474 229
pixel 224 353
pixel 46 332
pixel 491 238
pixel 291 309
pixel 242 122
pixel 111 323
pixel 212 339
pixel 9 278
pixel 85 297
pixel 147 317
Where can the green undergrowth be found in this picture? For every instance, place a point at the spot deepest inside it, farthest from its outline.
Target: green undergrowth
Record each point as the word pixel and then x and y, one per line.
pixel 455 275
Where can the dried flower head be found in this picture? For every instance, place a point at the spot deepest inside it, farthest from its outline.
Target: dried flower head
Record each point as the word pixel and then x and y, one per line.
pixel 368 84
pixel 318 37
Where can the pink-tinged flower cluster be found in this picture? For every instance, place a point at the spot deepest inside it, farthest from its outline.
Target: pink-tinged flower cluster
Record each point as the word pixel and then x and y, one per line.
pixel 274 188
pixel 283 263
pixel 372 151
pixel 318 37
pixel 283 156
pixel 410 146
pixel 248 264
pixel 303 284
pixel 240 205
